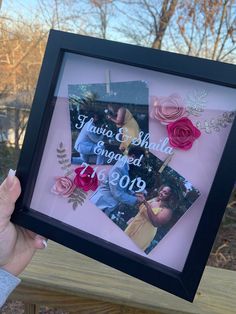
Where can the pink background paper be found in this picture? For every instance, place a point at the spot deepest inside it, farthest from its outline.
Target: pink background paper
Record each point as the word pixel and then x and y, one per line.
pixel 197 165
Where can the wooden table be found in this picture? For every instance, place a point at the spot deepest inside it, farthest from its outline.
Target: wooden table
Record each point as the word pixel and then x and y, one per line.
pixel 61 278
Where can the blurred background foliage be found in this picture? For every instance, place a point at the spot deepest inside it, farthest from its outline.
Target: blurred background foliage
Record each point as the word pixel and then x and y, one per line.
pixel 205 28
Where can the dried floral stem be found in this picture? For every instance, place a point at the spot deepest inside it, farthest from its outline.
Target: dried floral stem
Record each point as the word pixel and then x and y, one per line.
pixel 63 160
pixel 196 102
pixel 218 123
pixel 78 196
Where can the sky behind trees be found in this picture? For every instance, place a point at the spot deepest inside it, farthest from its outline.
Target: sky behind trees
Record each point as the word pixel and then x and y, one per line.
pixel 205 28
pixel 202 28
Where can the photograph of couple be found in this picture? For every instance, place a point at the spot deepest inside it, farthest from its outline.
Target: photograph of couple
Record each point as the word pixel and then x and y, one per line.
pixel 136 192
pixel 146 214
pixel 98 115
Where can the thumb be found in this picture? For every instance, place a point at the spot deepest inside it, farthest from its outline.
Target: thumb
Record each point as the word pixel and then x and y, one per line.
pixel 9 192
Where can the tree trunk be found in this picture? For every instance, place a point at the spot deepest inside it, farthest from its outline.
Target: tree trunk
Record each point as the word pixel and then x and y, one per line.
pixel 166 15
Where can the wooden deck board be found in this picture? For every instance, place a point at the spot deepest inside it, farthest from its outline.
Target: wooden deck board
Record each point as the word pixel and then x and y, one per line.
pixel 62 278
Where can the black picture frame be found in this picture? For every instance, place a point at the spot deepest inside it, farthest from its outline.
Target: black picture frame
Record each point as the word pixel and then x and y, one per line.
pixel 181 283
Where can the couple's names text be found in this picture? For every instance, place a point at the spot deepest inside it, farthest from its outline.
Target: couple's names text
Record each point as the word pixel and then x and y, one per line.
pixel 123 136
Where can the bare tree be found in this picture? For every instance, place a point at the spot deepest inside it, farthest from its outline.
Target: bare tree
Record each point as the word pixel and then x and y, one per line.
pixel 65 15
pixel 102 11
pixel 207 28
pixel 54 14
pixel 21 52
pixel 167 11
pixel 145 22
pixel 95 17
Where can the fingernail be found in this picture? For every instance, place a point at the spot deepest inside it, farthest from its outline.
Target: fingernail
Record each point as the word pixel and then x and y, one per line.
pixel 11 173
pixel 45 244
pixel 10 178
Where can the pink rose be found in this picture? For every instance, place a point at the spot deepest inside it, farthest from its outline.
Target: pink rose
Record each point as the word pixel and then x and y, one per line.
pixel 86 181
pixel 63 186
pixel 168 109
pixel 182 133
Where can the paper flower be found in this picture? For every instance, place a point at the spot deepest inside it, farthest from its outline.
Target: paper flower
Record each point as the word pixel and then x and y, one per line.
pixel 182 133
pixel 168 109
pixel 63 186
pixel 86 179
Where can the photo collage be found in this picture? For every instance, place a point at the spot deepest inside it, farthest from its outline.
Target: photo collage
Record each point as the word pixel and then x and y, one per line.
pixel 139 192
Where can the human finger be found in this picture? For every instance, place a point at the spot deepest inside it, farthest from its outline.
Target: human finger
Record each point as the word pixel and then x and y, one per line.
pixel 9 192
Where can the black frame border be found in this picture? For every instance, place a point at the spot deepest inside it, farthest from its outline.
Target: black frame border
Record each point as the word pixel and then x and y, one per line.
pixel 183 284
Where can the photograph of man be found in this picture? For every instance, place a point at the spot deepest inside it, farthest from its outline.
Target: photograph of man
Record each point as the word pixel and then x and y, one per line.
pixel 124 112
pixel 87 140
pixel 109 195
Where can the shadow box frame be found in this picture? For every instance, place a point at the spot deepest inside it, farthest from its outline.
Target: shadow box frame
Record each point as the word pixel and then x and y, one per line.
pixel 183 284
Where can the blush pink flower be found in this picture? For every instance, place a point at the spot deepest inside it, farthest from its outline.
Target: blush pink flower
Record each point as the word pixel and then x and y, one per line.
pixel 63 186
pixel 86 179
pixel 182 133
pixel 168 109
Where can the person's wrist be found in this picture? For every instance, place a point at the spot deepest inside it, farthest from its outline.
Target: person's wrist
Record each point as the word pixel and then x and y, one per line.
pixel 9 273
pixel 8 283
pixel 14 268
pixel 8 270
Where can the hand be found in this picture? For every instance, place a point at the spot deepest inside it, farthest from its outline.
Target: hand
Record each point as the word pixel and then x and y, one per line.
pixel 140 197
pixel 17 245
pixel 122 149
pixel 130 220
